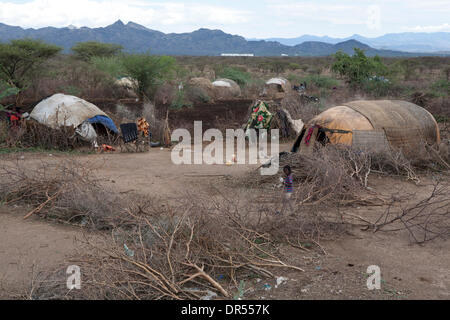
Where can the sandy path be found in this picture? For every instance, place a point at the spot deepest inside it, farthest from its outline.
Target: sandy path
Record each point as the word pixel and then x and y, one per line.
pixel 29 245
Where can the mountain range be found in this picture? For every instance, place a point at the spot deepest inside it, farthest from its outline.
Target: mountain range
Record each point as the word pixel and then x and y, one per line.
pixel 136 38
pixel 407 41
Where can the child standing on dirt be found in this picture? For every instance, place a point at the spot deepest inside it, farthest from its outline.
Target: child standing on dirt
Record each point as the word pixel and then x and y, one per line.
pixel 288 190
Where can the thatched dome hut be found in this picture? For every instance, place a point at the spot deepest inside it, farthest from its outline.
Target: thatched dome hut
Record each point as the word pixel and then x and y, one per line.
pixel 373 125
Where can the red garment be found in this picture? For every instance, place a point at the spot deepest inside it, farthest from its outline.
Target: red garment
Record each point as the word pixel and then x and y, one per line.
pixel 107 148
pixel 309 135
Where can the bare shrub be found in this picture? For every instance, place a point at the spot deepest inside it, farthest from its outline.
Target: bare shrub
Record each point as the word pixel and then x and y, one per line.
pixel 425 219
pixel 124 113
pixel 332 173
pixel 177 251
pixel 31 134
pixel 298 108
pixel 164 95
pixel 66 191
pixel 4 128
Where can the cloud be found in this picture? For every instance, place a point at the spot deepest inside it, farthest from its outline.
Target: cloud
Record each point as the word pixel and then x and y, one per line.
pixel 91 13
pixel 442 27
pixel 342 14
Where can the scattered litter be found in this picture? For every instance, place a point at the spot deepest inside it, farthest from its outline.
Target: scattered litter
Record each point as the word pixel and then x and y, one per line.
pixel 209 295
pixel 129 252
pixel 304 290
pixel 241 290
pixel 280 281
pixel 220 277
pixel 50 155
pixel 318 268
pixel 84 222
pixel 22 158
pixel 267 287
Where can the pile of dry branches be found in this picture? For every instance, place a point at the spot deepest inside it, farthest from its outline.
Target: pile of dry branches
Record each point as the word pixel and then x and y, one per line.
pixel 424 219
pixel 64 190
pixel 31 134
pixel 172 252
pixel 154 250
pixel 332 174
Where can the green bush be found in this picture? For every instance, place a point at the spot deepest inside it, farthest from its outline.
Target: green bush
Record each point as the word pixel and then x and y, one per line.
pixel 440 88
pixel 358 68
pixel 322 81
pixel 180 101
pixel 110 65
pixel 376 88
pixel 242 78
pixel 6 91
pixel 294 66
pixel 149 71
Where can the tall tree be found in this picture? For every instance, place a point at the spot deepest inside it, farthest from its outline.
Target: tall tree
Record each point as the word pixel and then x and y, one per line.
pixel 87 50
pixel 20 58
pixel 149 71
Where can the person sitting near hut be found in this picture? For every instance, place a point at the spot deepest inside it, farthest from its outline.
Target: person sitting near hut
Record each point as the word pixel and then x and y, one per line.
pixel 288 190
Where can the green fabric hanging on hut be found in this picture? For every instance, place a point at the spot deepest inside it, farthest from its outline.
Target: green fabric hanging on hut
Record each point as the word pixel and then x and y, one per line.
pixel 260 118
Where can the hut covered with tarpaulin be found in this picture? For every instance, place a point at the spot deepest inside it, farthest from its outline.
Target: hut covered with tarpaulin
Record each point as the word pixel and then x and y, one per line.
pixel 226 88
pixel 371 125
pixel 62 110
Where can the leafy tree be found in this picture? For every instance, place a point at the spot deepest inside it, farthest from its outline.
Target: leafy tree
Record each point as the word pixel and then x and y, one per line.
pixel 86 50
pixel 6 91
pixel 149 71
pixel 358 68
pixel 109 65
pixel 19 59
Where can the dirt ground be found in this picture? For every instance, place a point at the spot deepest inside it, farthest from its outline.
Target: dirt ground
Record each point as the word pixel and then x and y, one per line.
pixel 338 272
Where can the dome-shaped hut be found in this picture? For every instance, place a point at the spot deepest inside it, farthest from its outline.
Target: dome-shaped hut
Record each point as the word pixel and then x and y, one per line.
pixel 372 125
pixel 226 88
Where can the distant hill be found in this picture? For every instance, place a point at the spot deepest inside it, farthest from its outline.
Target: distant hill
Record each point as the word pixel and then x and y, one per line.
pixel 407 41
pixel 136 38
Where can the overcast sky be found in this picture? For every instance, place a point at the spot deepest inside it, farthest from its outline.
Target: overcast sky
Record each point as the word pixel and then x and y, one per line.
pixel 249 18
